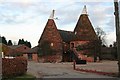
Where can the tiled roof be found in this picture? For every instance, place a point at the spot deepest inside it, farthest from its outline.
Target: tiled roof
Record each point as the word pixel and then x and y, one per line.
pixel 49 29
pixel 7 50
pixel 33 50
pixel 67 36
pixel 84 28
pixel 15 46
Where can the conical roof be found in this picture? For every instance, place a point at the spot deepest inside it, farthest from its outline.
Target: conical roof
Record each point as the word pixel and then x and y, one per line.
pixel 50 32
pixel 84 29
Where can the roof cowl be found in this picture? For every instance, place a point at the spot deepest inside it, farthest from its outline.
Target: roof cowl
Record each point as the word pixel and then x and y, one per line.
pixel 84 10
pixel 52 14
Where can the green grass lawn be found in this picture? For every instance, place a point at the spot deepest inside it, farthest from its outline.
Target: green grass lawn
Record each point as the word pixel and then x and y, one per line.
pixel 22 77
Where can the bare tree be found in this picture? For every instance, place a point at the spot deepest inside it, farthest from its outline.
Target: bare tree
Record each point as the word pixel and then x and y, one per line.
pixel 101 34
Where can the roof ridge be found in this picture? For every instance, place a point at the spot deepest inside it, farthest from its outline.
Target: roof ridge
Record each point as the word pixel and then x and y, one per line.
pixel 65 30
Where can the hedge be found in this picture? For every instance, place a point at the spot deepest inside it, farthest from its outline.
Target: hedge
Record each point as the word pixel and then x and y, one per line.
pixel 13 67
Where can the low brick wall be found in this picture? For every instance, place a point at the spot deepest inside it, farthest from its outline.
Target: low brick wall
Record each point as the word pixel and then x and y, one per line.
pixel 50 58
pixel 13 67
pixel 90 59
pixel 35 57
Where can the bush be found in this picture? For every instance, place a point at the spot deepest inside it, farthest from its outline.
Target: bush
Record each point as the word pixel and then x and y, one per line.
pixel 13 67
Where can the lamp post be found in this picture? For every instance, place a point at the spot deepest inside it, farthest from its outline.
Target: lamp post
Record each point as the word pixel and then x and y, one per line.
pixel 116 13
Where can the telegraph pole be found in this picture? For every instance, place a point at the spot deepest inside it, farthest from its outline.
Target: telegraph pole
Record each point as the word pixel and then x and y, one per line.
pixel 116 13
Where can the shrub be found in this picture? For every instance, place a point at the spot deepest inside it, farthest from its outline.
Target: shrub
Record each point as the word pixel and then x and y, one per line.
pixel 13 67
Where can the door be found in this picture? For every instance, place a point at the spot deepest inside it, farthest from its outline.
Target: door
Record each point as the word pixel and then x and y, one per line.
pixel 29 56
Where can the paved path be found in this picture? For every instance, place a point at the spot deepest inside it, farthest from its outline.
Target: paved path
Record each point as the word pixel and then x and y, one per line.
pixel 58 70
pixel 104 66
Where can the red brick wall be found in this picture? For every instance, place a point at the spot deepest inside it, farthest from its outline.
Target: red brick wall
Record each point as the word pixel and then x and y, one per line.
pixel 77 43
pixel 66 47
pixel 52 35
pixel 25 55
pixel 50 58
pixel 35 57
pixel 81 53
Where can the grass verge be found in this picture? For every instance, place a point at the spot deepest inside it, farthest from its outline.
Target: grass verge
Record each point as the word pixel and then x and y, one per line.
pixel 22 77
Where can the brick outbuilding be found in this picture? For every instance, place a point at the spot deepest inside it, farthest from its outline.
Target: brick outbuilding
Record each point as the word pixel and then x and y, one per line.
pixel 28 53
pixel 31 54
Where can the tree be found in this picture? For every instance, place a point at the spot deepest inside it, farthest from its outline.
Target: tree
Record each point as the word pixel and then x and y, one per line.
pixel 103 45
pixel 28 44
pixel 114 44
pixel 0 39
pixel 9 43
pixel 4 41
pixel 101 34
pixel 21 41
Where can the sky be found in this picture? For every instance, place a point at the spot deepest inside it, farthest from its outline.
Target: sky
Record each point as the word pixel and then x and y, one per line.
pixel 27 18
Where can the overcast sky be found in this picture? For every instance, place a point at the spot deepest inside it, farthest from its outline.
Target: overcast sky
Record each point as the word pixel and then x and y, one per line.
pixel 27 18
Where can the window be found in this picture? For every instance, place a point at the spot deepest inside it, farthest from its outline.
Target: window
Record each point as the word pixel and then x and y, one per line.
pixel 29 56
pixel 72 45
pixel 51 44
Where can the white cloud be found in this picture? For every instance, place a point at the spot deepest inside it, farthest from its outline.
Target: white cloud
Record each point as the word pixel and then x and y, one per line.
pixel 110 38
pixel 27 19
pixel 99 14
pixel 29 31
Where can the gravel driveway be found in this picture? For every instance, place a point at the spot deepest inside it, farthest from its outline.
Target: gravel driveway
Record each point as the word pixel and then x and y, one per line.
pixel 58 70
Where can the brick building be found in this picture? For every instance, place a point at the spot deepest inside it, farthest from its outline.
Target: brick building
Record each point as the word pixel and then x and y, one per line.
pixel 7 51
pixel 59 45
pixel 28 53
